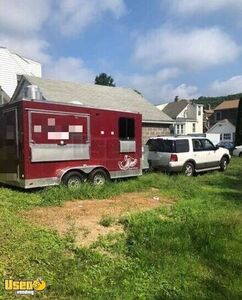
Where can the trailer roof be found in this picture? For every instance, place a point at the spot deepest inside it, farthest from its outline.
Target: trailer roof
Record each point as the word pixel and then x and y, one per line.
pixel 97 96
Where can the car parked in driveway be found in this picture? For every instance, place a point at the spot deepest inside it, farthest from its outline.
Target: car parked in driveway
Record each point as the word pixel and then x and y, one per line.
pixel 238 151
pixel 189 155
pixel 228 145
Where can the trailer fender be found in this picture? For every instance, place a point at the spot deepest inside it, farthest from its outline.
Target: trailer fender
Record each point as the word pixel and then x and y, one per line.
pixel 83 169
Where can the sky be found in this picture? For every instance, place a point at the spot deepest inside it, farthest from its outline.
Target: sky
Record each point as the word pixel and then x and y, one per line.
pixel 162 48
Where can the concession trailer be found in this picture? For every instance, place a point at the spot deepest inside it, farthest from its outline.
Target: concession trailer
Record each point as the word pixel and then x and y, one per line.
pixel 46 143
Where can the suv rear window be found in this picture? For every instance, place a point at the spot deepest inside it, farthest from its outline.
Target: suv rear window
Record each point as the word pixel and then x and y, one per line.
pixel 169 146
pixel 161 145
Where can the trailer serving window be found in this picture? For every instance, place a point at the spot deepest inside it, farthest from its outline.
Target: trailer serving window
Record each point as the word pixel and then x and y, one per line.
pixel 127 135
pixel 126 129
pixel 58 136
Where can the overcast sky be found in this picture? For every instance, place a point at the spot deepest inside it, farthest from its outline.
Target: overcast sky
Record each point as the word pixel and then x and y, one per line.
pixel 162 48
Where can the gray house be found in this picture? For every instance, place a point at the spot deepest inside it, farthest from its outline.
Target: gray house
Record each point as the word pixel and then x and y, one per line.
pixel 155 122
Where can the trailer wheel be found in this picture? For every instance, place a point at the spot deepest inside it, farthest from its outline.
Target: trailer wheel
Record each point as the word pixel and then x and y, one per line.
pixel 98 177
pixel 73 179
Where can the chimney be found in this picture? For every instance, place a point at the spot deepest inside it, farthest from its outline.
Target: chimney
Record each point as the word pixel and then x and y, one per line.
pixel 176 99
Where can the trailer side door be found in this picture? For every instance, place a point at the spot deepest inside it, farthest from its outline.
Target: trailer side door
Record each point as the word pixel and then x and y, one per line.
pixel 9 145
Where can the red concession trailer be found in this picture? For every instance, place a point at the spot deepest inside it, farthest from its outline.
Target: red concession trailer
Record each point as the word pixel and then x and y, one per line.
pixel 47 143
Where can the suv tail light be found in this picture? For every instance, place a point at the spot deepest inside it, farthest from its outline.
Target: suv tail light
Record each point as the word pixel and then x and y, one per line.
pixel 173 157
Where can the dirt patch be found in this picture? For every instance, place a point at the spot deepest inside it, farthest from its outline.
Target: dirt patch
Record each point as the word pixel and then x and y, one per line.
pixel 83 217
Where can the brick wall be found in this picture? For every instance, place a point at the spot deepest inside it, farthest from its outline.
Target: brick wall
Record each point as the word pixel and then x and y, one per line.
pixel 149 130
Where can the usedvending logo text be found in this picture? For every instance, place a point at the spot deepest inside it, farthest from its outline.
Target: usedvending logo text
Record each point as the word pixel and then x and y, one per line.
pixel 24 287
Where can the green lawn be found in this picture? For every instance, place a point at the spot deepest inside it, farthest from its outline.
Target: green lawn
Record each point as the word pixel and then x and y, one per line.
pixel 190 251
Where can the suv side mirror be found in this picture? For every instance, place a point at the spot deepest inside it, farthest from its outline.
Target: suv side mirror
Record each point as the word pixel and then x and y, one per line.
pixel 216 148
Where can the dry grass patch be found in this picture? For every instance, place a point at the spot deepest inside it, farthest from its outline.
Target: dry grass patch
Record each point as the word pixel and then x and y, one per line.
pixel 85 218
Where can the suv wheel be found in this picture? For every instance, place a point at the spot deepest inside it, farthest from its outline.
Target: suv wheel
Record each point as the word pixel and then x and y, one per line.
pixel 223 164
pixel 188 169
pixel 240 155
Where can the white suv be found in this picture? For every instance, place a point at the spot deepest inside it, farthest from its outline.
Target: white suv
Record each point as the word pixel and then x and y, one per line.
pixel 186 154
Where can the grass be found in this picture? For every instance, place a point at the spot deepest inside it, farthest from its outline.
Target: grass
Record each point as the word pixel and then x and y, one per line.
pixel 106 221
pixel 190 251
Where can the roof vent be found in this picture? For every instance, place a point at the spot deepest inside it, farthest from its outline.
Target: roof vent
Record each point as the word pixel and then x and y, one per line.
pixel 76 102
pixel 33 92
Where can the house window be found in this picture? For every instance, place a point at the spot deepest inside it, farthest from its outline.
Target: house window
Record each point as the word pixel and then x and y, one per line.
pixel 126 129
pixel 218 116
pixel 180 129
pixel 199 110
pixel 177 129
pixel 193 127
pixel 227 136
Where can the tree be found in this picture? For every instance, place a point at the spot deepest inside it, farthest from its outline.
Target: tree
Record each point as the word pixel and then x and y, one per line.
pixel 104 79
pixel 238 133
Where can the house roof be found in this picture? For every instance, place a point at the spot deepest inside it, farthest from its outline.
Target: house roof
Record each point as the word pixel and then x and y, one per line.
pixel 26 60
pixel 98 96
pixel 173 109
pixel 229 104
pixel 220 123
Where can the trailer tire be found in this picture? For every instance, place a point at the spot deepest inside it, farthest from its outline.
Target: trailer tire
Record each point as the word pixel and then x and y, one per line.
pixel 98 177
pixel 73 179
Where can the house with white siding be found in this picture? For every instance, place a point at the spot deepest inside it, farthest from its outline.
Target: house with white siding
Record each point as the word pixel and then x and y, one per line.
pixel 187 116
pixel 225 128
pixel 12 65
pixel 224 120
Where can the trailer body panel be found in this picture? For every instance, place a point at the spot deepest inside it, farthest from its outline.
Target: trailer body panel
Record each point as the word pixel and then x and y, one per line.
pixel 41 141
